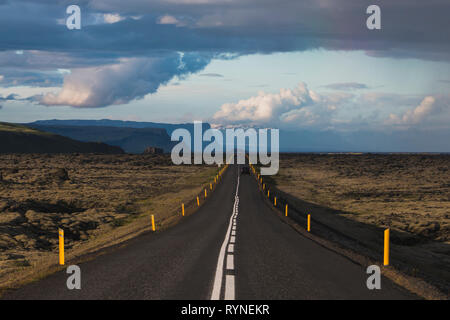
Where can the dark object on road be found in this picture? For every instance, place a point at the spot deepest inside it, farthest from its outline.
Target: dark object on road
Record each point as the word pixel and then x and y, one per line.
pixel 245 170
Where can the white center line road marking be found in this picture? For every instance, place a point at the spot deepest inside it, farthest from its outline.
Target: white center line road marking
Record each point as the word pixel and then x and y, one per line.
pixel 230 262
pixel 229 287
pixel 229 240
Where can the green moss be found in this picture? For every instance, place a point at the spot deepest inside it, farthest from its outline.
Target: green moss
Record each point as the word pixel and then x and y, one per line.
pixel 12 127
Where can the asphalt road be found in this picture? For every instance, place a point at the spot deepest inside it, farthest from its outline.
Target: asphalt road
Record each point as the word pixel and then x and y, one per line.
pixel 233 247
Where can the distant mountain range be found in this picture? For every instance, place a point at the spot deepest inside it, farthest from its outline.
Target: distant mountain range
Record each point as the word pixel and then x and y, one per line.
pixel 135 137
pixel 131 136
pixel 169 127
pixel 131 140
pixel 16 138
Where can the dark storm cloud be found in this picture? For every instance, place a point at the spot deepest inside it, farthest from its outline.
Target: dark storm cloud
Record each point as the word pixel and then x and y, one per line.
pixel 10 97
pixel 116 32
pixel 409 27
pixel 14 77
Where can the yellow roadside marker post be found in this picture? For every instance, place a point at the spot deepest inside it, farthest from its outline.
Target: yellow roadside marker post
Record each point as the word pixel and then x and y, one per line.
pixel 275 201
pixel 182 209
pixel 210 186
pixel 61 246
pixel 198 202
pixel 153 223
pixel 264 186
pixel 309 223
pixel 205 193
pixel 268 194
pixel 286 210
pixel 386 247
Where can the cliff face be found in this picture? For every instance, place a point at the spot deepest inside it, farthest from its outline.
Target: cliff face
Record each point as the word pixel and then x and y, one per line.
pixel 131 136
pixel 131 140
pixel 20 139
pixel 168 127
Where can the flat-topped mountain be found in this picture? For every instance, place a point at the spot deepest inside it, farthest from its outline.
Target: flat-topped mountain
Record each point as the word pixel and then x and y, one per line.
pixel 16 138
pixel 131 140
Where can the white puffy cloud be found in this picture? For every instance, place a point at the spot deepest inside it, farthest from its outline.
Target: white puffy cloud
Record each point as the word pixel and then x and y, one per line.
pixel 131 78
pixel 112 17
pixel 168 19
pixel 302 108
pixel 295 107
pixel 416 115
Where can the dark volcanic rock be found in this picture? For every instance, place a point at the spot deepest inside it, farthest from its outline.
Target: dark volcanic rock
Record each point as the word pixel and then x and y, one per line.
pixel 61 174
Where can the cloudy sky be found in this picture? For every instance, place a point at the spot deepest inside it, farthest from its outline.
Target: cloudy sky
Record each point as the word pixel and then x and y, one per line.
pixel 289 64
